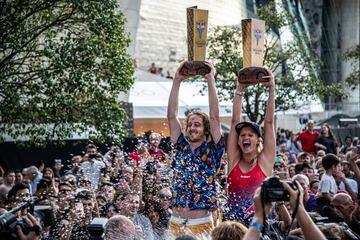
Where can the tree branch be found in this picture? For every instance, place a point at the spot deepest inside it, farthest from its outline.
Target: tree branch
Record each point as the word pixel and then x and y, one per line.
pixel 7 58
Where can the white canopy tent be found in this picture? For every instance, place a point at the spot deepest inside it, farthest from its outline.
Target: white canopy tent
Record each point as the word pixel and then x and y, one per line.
pixel 150 95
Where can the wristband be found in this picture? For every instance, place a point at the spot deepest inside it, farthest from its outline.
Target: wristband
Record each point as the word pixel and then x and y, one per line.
pixel 239 93
pixel 256 225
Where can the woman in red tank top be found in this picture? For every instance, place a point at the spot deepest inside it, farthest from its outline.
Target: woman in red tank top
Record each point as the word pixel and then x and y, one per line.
pixel 249 163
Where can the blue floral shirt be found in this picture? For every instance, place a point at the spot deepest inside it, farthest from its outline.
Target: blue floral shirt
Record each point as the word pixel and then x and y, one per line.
pixel 195 173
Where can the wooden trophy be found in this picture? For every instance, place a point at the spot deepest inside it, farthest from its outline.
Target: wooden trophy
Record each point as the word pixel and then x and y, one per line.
pixel 253 35
pixel 197 23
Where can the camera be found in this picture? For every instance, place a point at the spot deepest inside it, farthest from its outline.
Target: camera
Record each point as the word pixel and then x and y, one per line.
pixel 96 228
pixel 272 190
pixel 9 221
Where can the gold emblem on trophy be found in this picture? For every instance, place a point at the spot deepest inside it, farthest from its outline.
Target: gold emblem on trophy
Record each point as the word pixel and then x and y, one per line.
pixel 253 34
pixel 197 24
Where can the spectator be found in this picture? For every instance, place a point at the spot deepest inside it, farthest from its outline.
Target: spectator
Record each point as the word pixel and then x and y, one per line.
pixel 160 72
pixel 332 231
pixel 40 165
pixel 328 186
pixel 345 184
pixel 48 172
pixel 75 165
pixel 92 165
pixel 168 75
pixel 307 138
pixel 155 152
pixel 73 224
pixel 18 194
pixel 158 218
pixel 307 170
pixel 326 141
pixel 228 230
pixel 347 145
pixel 119 227
pixel 18 176
pixel 345 207
pixel 44 187
pixel 314 186
pixel 108 191
pixel 309 198
pixel 9 182
pixel 153 69
pixel 130 203
pixel 111 210
pixel 164 198
pixel 304 157
pixel 34 177
pixel 57 166
pixel 291 170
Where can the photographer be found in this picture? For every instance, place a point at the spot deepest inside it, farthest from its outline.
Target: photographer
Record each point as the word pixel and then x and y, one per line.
pixel 309 229
pixel 18 194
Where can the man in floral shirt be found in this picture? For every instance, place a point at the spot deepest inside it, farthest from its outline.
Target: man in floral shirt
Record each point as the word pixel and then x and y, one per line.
pixel 197 162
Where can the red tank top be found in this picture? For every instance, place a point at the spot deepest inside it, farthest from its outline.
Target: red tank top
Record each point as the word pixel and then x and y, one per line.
pixel 243 185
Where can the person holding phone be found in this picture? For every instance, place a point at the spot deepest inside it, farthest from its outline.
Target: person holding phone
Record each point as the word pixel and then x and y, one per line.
pixel 251 156
pixel 92 165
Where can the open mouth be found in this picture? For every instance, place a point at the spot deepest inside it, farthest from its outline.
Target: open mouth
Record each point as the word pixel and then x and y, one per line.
pixel 246 145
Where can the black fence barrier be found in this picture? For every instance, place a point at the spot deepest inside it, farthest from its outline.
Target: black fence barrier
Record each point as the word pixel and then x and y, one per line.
pixel 341 133
pixel 13 156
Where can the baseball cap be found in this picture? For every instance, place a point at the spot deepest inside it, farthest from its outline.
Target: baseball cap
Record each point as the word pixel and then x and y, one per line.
pixel 252 125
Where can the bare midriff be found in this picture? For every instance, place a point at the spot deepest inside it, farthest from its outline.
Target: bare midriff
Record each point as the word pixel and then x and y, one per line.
pixel 188 213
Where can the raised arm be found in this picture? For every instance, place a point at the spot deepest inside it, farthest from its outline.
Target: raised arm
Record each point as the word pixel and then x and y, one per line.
pixel 173 105
pixel 352 156
pixel 269 151
pixel 215 125
pixel 233 152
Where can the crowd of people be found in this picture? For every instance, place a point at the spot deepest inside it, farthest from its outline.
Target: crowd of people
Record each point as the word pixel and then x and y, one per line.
pixel 266 184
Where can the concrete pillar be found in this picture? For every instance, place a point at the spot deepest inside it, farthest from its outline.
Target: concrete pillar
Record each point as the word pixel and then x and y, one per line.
pixel 350 25
pixel 131 11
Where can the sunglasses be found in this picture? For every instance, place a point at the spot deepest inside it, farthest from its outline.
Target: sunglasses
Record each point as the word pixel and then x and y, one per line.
pixel 278 166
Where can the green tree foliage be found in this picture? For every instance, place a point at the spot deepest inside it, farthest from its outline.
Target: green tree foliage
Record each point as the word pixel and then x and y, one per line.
pixel 284 59
pixel 63 64
pixel 353 55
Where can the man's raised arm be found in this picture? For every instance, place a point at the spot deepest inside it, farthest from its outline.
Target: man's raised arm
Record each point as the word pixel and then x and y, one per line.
pixel 173 105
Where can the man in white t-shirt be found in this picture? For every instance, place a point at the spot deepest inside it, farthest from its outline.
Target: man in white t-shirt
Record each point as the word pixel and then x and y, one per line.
pixel 92 165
